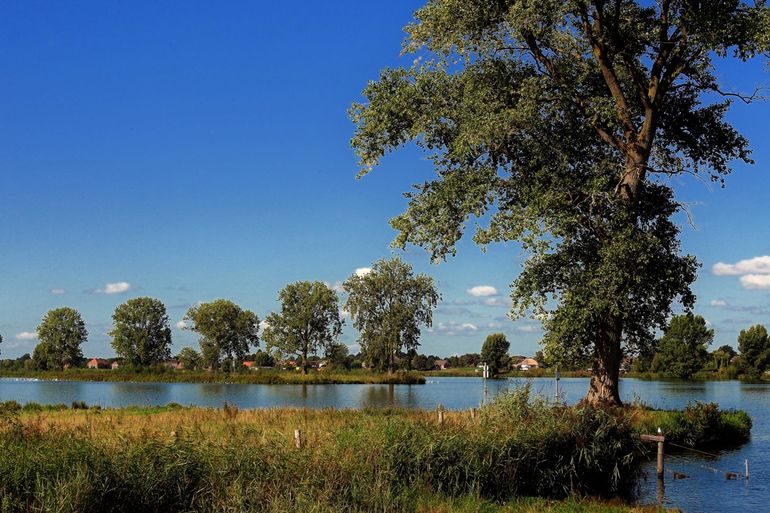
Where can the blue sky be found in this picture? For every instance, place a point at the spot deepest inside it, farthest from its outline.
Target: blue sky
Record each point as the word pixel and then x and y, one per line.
pixel 191 151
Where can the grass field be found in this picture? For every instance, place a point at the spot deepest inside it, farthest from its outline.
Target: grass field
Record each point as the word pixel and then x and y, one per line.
pixel 513 455
pixel 380 460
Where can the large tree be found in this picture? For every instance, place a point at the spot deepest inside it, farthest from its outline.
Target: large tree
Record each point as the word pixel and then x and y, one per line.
pixel 494 352
pixel 141 333
pixel 61 333
pixel 682 349
pixel 226 330
pixel 560 122
pixel 754 345
pixel 389 305
pixel 309 320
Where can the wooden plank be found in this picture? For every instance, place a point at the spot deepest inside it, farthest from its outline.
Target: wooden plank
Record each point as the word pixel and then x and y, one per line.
pixel 652 438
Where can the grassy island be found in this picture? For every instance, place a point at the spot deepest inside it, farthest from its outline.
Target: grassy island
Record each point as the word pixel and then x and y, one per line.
pixel 513 455
pixel 261 376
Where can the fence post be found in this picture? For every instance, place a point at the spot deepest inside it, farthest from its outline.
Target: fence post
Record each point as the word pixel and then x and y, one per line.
pixel 661 441
pixel 473 413
pixel 298 438
pixel 747 469
pixel 440 417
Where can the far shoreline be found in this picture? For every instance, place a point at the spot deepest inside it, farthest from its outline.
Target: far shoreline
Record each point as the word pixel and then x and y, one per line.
pixel 261 377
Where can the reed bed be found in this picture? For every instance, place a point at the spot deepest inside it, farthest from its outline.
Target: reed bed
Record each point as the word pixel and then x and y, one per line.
pixel 192 459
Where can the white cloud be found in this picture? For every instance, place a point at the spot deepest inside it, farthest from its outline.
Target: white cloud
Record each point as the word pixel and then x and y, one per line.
pixel 719 303
pixel 363 271
pixel 453 328
pixel 756 265
pixel 120 287
pixel 527 328
pixel 496 301
pixel 57 292
pixel 263 325
pixel 756 281
pixel 344 313
pixel 26 335
pixel 482 291
pixel 181 325
pixel 336 286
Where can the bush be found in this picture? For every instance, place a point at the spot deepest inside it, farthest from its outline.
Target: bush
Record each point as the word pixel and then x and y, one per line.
pixel 704 425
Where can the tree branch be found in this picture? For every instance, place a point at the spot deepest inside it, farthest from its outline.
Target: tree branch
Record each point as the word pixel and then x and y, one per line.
pixel 747 99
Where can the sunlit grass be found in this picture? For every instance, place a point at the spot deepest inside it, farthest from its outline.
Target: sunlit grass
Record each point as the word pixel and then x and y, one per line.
pixel 373 460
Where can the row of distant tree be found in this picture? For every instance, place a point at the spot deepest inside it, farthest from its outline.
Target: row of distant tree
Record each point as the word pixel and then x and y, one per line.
pixel 388 306
pixel 683 351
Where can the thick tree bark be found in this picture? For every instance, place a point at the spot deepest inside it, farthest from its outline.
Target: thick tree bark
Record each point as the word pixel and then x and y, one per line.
pixel 304 363
pixel 391 364
pixel 604 388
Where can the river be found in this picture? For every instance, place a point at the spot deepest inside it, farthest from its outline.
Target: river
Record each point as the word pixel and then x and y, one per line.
pixel 705 490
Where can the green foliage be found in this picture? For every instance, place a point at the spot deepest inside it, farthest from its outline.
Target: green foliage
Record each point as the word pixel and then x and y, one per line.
pixel 61 332
pixel 682 349
pixel 226 331
pixel 560 123
pixel 495 353
pixel 141 334
pixel 189 358
pixel 338 356
pixel 263 359
pixel 754 345
pixel 309 320
pixel 389 305
pixel 701 425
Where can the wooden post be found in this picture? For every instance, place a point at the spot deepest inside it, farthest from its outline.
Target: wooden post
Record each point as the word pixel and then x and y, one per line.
pixel 661 441
pixel 660 459
pixel 473 414
pixel 747 469
pixel 298 438
pixel 440 417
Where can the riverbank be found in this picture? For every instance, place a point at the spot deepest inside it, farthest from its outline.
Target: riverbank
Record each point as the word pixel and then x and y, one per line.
pixel 470 372
pixel 175 458
pixel 258 377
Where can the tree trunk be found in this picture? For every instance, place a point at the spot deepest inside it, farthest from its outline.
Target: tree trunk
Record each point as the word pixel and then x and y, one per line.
pixel 391 364
pixel 304 363
pixel 604 388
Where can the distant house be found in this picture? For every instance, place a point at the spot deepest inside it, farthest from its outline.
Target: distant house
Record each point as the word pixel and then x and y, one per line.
pixel 97 363
pixel 528 363
pixel 441 364
pixel 251 365
pixel 289 364
pixel 115 365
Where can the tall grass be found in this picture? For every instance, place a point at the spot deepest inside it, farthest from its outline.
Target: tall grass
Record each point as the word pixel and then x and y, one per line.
pixel 178 459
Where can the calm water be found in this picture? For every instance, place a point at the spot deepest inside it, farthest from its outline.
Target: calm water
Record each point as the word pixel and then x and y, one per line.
pixel 705 490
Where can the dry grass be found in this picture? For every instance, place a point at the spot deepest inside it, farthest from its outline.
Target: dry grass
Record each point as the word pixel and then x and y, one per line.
pixel 193 459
